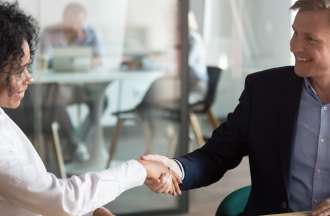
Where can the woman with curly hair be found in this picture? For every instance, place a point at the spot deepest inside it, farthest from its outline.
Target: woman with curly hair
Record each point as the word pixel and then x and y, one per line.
pixel 26 188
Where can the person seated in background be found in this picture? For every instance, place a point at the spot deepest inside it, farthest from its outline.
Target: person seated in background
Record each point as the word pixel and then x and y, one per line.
pixel 26 188
pixel 73 31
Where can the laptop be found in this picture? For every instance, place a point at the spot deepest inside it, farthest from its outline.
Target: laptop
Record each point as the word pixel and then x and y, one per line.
pixel 71 59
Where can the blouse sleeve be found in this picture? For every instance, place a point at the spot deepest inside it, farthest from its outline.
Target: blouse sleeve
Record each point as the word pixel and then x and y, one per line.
pixel 33 188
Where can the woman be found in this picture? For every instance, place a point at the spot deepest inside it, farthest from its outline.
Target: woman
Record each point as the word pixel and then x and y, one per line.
pixel 26 188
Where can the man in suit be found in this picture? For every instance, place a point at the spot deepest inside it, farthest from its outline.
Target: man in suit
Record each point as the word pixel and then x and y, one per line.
pixel 281 123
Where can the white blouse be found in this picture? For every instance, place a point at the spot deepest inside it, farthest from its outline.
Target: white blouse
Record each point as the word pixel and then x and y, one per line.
pixel 27 189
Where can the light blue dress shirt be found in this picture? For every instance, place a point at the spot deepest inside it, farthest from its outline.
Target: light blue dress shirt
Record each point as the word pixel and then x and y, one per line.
pixel 309 181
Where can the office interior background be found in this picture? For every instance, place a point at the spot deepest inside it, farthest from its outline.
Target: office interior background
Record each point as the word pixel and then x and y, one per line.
pixel 142 61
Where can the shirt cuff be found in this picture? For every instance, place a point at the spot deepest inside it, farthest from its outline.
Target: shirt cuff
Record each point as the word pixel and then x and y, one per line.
pixel 89 214
pixel 135 175
pixel 181 168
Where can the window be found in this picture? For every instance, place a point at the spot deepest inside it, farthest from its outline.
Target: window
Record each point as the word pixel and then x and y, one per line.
pixel 104 65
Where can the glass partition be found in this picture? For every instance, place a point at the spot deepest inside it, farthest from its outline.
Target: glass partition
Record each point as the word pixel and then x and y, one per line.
pixel 108 87
pixel 244 37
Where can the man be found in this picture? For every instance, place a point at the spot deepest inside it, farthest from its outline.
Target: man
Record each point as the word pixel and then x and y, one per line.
pixel 72 31
pixel 281 123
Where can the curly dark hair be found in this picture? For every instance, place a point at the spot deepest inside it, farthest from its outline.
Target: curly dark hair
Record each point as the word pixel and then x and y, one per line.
pixel 15 27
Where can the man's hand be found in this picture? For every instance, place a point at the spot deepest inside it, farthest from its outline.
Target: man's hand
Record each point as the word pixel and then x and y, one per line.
pixel 154 169
pixel 323 209
pixel 168 182
pixel 102 212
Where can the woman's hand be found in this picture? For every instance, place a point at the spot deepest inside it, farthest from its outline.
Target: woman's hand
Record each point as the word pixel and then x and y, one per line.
pixel 102 212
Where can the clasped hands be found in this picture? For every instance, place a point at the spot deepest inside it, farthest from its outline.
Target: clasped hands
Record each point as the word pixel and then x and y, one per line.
pixel 323 209
pixel 163 174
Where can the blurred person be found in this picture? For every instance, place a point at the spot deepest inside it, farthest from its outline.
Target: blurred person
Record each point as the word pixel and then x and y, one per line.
pixel 281 123
pixel 26 188
pixel 198 78
pixel 73 31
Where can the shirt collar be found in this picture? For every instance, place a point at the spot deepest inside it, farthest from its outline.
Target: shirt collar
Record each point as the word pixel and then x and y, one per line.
pixel 310 90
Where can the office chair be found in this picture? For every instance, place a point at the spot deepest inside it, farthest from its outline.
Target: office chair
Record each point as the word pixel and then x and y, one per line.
pixel 153 100
pixel 57 149
pixel 168 108
pixel 234 203
pixel 204 106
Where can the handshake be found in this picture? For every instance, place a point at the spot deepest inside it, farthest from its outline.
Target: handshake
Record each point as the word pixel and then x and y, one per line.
pixel 163 174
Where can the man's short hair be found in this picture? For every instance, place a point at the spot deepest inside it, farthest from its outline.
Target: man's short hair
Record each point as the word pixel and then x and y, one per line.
pixel 311 5
pixel 15 27
pixel 75 7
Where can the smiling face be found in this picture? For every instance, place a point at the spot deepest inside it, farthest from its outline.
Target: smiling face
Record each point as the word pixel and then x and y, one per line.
pixel 12 94
pixel 310 44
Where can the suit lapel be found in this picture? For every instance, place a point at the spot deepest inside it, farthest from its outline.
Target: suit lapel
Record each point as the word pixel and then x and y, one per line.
pixel 288 110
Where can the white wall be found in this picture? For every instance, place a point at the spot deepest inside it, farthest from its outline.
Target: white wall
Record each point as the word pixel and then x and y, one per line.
pixel 252 35
pixel 198 8
pixel 30 6
pixel 157 18
pixel 269 32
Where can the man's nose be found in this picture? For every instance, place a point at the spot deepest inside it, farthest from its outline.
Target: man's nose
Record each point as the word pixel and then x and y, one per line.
pixel 296 45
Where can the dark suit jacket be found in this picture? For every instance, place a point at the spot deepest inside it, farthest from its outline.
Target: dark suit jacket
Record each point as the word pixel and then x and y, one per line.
pixel 261 127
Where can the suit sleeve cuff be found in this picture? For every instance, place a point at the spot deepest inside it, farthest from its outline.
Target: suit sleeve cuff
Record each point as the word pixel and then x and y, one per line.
pixel 181 168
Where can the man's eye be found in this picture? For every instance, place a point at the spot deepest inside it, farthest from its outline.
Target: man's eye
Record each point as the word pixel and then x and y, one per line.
pixel 311 39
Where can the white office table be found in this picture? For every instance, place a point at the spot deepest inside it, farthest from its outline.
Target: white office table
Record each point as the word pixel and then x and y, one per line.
pixel 98 150
pixel 292 214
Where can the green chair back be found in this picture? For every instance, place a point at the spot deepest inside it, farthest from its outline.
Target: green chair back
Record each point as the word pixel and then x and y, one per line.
pixel 234 203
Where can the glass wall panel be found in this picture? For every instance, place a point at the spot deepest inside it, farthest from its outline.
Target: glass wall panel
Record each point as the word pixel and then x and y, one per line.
pixel 107 88
pixel 244 37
